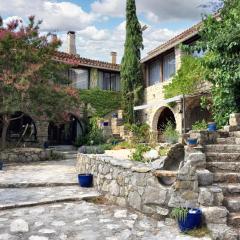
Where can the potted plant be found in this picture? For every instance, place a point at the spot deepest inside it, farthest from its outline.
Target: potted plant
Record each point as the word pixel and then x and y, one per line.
pixel 212 127
pixel 1 165
pixel 85 180
pixel 188 218
pixel 192 142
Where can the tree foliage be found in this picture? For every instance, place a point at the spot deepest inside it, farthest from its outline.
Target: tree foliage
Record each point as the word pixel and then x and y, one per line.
pixel 220 37
pixel 29 78
pixel 187 79
pixel 131 71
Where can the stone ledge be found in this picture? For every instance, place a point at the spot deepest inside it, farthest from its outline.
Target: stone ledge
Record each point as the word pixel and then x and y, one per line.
pixel 165 173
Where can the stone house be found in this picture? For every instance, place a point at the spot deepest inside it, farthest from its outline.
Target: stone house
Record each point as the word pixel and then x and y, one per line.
pixel 159 66
pixel 83 73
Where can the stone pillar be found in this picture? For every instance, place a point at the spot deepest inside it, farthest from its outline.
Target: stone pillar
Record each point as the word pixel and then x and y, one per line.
pixel 42 131
pixel 178 55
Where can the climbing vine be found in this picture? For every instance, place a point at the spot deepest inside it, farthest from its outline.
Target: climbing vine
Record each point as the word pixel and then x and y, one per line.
pixel 188 77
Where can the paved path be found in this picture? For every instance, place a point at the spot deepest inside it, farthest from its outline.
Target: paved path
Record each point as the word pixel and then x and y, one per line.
pixel 42 201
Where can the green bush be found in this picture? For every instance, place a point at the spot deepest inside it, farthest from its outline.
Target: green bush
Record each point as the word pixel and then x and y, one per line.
pixel 163 151
pixel 170 134
pixel 179 213
pixel 141 133
pixel 139 151
pixel 200 125
pixel 124 145
pixel 92 149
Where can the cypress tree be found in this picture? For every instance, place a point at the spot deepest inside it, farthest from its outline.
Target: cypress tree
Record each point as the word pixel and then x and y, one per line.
pixel 131 71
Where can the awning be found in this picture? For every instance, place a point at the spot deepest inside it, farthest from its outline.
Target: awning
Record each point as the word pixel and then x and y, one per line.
pixel 159 103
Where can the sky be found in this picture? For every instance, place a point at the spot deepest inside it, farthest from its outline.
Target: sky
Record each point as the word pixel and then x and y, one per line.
pixel 100 24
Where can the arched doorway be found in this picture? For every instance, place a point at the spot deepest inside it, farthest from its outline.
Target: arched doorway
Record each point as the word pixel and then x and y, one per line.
pixel 21 129
pixel 162 117
pixel 66 133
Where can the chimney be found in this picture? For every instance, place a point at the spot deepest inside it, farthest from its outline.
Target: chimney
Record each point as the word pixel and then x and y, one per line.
pixel 71 42
pixel 114 57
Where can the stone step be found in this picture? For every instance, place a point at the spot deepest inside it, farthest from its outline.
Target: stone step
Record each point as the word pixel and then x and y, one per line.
pixel 229 140
pixel 223 148
pixel 232 203
pixel 235 134
pixel 234 219
pixel 223 166
pixel 232 189
pixel 222 157
pixel 227 177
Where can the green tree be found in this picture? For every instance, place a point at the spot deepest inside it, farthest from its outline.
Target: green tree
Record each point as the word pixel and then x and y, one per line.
pixel 29 78
pixel 220 37
pixel 131 71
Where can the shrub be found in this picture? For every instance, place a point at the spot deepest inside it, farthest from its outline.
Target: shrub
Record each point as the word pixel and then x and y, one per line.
pixel 141 133
pixel 199 125
pixel 124 145
pixel 170 134
pixel 179 213
pixel 92 149
pixel 163 151
pixel 139 151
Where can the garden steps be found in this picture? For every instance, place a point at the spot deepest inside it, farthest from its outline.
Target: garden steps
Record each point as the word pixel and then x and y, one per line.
pixel 223 148
pixel 234 134
pixel 229 189
pixel 223 166
pixel 228 140
pixel 222 157
pixel 234 219
pixel 232 203
pixel 226 177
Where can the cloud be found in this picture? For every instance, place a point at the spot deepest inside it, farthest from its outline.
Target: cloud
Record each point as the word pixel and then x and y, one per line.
pixel 154 10
pixel 98 43
pixel 56 15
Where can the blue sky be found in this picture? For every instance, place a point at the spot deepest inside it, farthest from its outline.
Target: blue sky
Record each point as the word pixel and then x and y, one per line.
pixel 99 24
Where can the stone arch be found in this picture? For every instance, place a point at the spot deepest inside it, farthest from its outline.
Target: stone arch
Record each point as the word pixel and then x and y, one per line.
pixel 68 132
pixel 21 129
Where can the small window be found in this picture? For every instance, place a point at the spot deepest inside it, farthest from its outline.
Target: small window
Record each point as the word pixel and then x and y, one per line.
pixel 109 81
pixel 154 73
pixel 169 66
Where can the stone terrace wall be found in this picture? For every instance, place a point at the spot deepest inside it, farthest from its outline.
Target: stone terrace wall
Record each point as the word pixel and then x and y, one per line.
pixel 26 155
pixel 126 183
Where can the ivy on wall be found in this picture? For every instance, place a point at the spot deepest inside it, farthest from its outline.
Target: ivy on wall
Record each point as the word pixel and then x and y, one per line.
pixel 103 102
pixel 187 79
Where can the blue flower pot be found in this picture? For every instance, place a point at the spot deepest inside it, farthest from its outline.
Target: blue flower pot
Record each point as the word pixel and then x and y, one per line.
pixel 1 165
pixel 192 142
pixel 105 124
pixel 212 127
pixel 192 221
pixel 45 145
pixel 85 180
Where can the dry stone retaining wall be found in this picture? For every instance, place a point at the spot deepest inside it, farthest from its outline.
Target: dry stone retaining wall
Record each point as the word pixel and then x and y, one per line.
pixel 26 155
pixel 126 183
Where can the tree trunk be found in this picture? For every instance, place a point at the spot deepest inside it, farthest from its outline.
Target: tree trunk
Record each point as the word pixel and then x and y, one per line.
pixel 5 122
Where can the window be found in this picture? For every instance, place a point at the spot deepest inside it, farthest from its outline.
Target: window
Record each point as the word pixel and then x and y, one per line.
pixel 154 72
pixel 109 81
pixel 169 66
pixel 80 78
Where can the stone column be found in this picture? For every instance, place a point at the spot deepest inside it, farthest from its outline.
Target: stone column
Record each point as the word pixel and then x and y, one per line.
pixel 178 55
pixel 42 131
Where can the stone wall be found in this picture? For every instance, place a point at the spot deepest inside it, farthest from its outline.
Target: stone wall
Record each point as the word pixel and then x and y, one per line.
pixel 23 155
pixel 126 183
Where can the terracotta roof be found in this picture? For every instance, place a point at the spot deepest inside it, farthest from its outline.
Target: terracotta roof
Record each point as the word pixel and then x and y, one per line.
pixel 173 42
pixel 77 61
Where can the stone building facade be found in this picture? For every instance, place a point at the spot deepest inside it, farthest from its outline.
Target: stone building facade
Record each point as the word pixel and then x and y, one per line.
pixel 83 73
pixel 159 67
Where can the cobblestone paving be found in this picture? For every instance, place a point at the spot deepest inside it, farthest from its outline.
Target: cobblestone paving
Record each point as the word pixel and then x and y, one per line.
pixel 33 208
pixel 83 221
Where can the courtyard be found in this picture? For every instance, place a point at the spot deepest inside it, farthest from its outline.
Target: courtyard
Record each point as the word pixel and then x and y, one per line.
pixel 43 201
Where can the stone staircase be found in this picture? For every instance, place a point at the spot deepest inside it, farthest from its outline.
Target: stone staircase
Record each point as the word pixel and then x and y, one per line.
pixel 69 152
pixel 223 160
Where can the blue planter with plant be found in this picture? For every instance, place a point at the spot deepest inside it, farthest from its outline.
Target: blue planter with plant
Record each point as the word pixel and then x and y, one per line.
pixel 212 127
pixel 188 218
pixel 1 165
pixel 85 180
pixel 192 142
pixel 45 145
